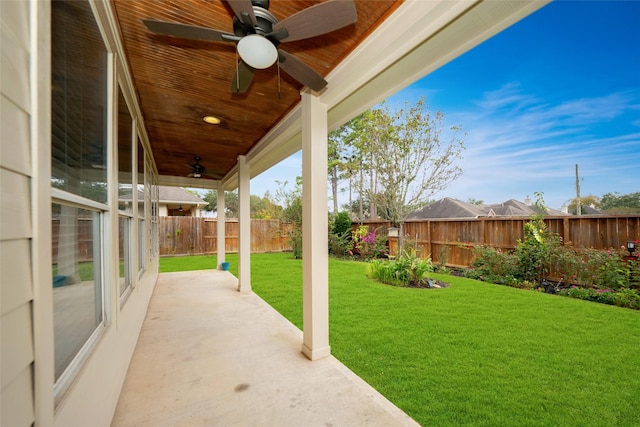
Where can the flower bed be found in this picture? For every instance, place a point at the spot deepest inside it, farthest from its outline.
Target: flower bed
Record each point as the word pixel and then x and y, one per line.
pixel 542 261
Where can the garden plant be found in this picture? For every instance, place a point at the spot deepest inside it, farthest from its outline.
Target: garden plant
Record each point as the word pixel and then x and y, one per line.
pixel 544 262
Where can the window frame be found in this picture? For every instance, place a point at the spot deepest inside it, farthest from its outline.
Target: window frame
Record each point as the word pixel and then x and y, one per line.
pixel 68 375
pixel 129 214
pixel 62 384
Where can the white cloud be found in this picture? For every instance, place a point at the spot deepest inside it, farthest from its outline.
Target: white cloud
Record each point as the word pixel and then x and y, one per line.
pixel 517 144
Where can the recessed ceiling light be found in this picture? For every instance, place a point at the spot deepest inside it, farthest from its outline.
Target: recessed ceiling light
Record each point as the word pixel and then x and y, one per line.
pixel 212 120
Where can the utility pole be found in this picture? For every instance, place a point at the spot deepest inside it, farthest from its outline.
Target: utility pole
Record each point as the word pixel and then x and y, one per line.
pixel 578 203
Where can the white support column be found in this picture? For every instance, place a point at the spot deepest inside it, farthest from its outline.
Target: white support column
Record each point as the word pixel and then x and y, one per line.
pixel 244 227
pixel 315 258
pixel 220 228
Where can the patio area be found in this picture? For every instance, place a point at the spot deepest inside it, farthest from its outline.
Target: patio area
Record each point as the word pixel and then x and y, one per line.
pixel 208 355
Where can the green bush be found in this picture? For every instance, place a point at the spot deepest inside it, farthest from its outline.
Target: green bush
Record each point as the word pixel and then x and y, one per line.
pixel 604 269
pixel 624 297
pixel 367 244
pixel 295 242
pixel 341 224
pixel 634 273
pixel 493 265
pixel 340 244
pixel 407 270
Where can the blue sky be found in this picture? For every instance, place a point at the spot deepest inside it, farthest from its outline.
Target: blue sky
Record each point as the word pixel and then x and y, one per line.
pixel 559 88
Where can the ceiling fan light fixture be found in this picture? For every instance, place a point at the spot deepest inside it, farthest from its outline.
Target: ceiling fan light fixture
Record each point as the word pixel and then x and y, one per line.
pixel 213 120
pixel 257 51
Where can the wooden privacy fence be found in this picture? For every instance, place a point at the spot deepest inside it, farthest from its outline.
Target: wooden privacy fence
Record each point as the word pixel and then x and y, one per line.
pixel 180 235
pixel 449 241
pixel 445 240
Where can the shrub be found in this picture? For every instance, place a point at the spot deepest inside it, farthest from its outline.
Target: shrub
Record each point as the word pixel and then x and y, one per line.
pixel 493 265
pixel 295 242
pixel 634 273
pixel 604 269
pixel 340 244
pixel 341 224
pixel 566 263
pixel 407 270
pixel 368 244
pixel 624 297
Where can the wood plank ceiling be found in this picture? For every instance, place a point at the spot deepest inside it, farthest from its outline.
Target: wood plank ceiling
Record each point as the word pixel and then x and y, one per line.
pixel 178 81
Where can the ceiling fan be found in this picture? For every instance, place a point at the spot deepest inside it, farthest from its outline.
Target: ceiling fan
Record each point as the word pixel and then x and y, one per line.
pixel 198 171
pixel 258 34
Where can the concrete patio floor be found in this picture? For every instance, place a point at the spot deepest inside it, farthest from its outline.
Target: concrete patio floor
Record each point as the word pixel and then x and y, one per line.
pixel 211 356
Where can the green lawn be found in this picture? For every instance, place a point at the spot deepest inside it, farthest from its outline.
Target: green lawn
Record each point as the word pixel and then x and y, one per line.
pixel 471 354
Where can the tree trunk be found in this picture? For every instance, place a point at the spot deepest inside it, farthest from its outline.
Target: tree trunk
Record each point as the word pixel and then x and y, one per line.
pixel 350 199
pixel 373 210
pixel 334 188
pixel 400 239
pixel 360 194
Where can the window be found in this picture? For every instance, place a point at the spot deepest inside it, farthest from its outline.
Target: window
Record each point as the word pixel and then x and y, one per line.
pixel 155 189
pixel 142 198
pixel 125 194
pixel 79 77
pixel 77 280
pixel 79 102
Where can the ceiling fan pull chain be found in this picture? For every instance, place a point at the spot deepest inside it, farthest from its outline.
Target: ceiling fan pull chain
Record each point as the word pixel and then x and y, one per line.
pixel 237 72
pixel 279 93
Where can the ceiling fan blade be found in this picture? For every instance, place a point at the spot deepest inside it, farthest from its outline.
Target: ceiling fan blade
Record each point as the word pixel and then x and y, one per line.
pixel 244 11
pixel 300 71
pixel 188 31
pixel 242 78
pixel 313 21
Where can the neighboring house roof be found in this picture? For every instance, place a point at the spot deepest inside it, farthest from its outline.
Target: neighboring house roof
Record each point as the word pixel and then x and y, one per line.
pixel 178 195
pixel 170 195
pixel 452 208
pixel 447 208
pixel 587 210
pixel 514 207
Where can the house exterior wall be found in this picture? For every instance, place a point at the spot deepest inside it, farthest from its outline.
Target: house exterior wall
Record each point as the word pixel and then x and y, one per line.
pixel 16 231
pixel 28 393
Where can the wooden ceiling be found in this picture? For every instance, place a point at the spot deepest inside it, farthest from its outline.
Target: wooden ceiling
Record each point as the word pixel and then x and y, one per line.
pixel 178 81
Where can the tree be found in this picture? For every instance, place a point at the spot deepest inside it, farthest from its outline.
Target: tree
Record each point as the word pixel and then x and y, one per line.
pixel 411 157
pixel 230 202
pixel 292 213
pixel 589 200
pixel 617 203
pixel 474 201
pixel 333 163
pixel 360 207
pixel 261 207
pixel 344 160
pixel 264 207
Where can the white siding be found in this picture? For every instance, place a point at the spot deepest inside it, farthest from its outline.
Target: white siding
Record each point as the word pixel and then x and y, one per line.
pixel 17 401
pixel 14 55
pixel 15 222
pixel 16 334
pixel 15 268
pixel 16 288
pixel 15 127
